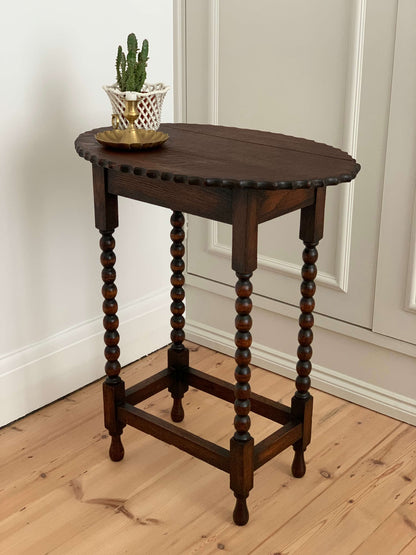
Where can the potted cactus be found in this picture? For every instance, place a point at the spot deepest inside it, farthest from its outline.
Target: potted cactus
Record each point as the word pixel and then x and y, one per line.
pixel 130 85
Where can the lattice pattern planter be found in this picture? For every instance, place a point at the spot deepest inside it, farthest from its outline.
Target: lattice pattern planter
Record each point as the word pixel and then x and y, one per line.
pixel 149 104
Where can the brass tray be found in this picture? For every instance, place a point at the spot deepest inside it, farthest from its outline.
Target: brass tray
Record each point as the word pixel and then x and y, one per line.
pixel 137 139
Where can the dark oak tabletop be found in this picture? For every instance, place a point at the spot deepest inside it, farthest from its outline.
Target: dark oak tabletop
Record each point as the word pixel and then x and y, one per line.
pixel 228 157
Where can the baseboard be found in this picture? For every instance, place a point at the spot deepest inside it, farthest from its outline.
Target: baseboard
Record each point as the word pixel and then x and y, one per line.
pixel 343 386
pixel 41 373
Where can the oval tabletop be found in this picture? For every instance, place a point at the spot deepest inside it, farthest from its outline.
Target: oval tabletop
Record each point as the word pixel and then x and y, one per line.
pixel 228 157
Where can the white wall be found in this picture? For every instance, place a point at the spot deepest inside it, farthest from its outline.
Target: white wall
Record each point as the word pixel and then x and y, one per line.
pixel 54 58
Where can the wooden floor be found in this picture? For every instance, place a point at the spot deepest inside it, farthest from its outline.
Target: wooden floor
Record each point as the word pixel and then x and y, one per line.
pixel 59 492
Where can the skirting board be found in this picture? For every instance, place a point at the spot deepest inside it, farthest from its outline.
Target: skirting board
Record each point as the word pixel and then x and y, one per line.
pixel 41 373
pixel 348 388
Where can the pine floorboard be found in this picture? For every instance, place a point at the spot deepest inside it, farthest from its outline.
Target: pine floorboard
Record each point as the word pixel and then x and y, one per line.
pixel 60 494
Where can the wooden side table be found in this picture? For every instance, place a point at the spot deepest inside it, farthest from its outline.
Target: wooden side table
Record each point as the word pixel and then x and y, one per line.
pixel 243 178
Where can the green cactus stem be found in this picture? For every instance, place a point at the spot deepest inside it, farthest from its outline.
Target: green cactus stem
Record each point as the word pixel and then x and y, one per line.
pixel 131 72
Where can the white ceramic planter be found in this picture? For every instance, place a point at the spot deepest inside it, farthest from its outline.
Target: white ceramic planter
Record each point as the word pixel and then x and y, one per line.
pixel 149 105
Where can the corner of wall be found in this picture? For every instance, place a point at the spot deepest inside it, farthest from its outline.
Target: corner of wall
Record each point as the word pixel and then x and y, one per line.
pixel 42 373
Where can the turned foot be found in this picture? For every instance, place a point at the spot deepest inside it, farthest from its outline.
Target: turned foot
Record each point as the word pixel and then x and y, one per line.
pixel 177 414
pixel 240 514
pixel 298 465
pixel 116 449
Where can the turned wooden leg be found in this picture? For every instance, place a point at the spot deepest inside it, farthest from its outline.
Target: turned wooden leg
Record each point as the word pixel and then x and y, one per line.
pixel 302 401
pixel 178 355
pixel 113 387
pixel 311 231
pixel 242 444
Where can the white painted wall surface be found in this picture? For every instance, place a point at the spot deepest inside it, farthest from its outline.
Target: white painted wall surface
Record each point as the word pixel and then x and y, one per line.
pixel 54 58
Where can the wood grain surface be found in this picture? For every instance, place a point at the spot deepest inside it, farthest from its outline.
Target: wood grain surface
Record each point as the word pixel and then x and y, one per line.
pixel 228 157
pixel 60 494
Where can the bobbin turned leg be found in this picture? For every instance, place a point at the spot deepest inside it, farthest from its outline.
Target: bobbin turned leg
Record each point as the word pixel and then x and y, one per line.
pixel 244 262
pixel 178 355
pixel 113 387
pixel 242 444
pixel 311 231
pixel 106 220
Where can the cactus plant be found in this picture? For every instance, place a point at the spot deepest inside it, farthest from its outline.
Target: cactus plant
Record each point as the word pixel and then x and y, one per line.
pixel 131 72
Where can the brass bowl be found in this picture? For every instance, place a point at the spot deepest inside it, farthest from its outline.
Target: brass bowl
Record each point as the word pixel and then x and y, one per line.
pixel 126 139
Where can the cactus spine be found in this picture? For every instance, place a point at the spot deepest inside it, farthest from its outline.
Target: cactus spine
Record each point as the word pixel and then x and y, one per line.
pixel 131 72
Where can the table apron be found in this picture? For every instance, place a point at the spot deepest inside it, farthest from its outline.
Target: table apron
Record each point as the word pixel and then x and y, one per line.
pixel 207 202
pixel 212 203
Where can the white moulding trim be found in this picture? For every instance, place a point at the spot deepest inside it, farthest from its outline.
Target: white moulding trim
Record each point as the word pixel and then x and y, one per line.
pixel 339 281
pixel 321 320
pixel 214 59
pixel 266 262
pixel 411 282
pixel 45 371
pixel 179 66
pixel 335 383
pixel 350 143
